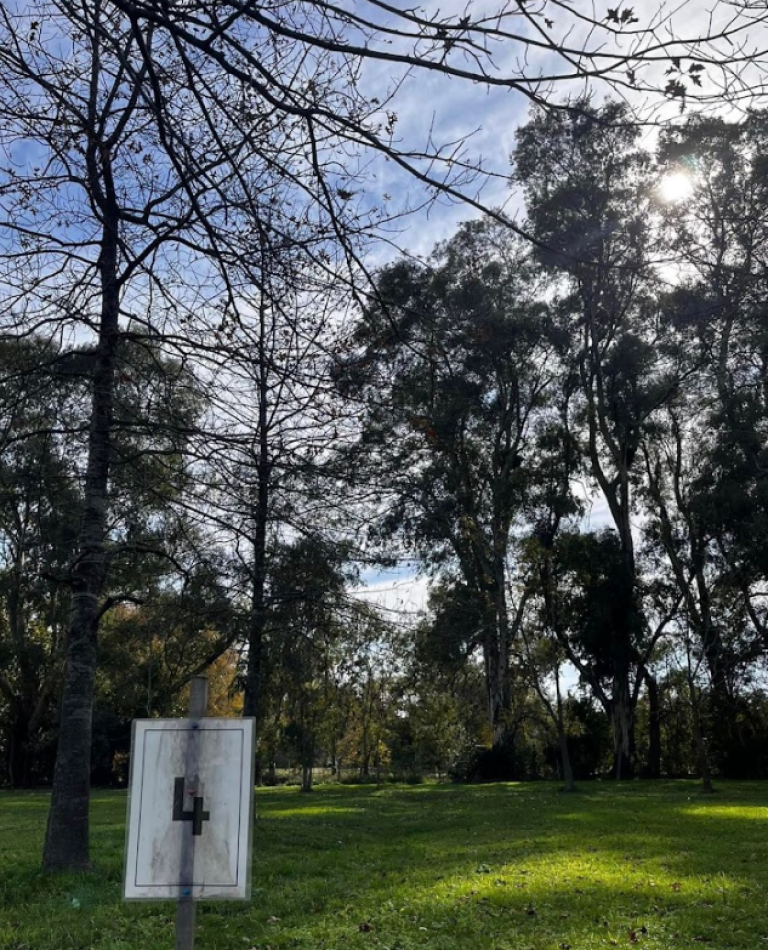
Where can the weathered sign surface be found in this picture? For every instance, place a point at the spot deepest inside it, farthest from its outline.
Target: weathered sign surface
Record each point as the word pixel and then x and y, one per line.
pixel 190 808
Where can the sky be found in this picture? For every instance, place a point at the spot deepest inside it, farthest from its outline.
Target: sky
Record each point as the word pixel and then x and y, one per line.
pixel 401 593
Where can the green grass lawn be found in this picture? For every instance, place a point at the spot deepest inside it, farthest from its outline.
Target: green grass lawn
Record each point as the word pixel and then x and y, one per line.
pixel 513 867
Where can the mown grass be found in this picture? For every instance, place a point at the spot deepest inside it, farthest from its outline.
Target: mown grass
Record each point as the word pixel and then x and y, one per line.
pixel 501 867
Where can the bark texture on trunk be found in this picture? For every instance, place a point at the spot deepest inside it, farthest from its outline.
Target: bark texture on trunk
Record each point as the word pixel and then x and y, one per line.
pixel 497 685
pixel 496 659
pixel 67 837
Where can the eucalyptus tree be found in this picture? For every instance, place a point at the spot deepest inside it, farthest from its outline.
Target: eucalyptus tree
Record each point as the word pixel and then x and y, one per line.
pixel 588 191
pixel 582 607
pixel 454 370
pixel 707 470
pixel 685 525
pixel 704 457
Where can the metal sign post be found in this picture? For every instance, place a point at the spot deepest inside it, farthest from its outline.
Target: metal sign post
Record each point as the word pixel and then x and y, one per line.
pixel 190 785
pixel 190 810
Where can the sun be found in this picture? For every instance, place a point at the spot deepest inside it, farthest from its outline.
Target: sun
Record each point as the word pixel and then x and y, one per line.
pixel 676 187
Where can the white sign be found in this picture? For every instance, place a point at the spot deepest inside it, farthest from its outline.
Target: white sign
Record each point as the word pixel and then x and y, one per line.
pixel 189 809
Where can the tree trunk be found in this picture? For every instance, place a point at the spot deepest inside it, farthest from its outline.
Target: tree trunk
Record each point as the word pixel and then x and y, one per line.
pixel 653 769
pixel 252 699
pixel 698 737
pixel 67 836
pixel 623 732
pixel 565 758
pixel 306 776
pixel 714 652
pixel 624 698
pixel 18 754
pixel 253 685
pixel 497 687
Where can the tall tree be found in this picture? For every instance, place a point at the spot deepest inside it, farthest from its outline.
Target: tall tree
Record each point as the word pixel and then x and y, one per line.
pixel 588 190
pixel 711 490
pixel 704 457
pixel 137 141
pixel 454 368
pixel 270 427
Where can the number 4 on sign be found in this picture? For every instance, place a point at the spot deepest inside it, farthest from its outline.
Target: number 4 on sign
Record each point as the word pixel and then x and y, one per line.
pixel 197 816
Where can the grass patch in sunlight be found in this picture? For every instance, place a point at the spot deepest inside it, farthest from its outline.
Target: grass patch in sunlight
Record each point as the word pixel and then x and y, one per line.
pixel 498 867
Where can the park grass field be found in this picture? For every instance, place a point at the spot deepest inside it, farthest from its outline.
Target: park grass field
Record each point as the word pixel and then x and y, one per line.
pixel 433 867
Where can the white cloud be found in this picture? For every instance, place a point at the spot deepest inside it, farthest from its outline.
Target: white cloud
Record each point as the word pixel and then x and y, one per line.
pixel 400 594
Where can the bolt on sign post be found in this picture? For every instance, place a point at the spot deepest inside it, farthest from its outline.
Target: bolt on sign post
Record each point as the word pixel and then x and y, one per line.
pixel 190 811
